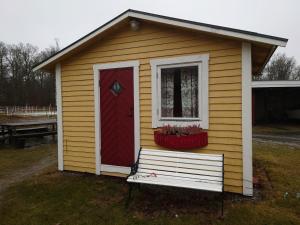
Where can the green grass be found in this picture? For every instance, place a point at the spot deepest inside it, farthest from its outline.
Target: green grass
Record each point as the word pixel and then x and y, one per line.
pixel 276 128
pixel 14 159
pixel 71 198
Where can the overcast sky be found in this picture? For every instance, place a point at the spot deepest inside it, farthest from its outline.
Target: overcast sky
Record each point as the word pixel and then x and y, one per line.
pixel 40 22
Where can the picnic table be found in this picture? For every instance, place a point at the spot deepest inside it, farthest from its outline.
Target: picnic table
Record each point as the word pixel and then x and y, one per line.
pixel 20 130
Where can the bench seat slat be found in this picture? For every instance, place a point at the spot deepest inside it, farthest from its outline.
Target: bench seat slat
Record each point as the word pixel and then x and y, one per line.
pixel 181 175
pixel 31 128
pixel 34 134
pixel 186 155
pixel 181 165
pixel 181 160
pixel 141 175
pixel 181 170
pixel 179 183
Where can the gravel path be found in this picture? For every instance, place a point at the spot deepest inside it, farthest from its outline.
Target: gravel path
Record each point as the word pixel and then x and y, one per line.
pixel 22 174
pixel 287 139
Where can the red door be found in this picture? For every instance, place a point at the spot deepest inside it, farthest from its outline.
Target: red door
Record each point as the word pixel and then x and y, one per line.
pixel 117 117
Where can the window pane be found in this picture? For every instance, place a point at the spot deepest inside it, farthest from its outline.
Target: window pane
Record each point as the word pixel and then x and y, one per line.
pixel 179 92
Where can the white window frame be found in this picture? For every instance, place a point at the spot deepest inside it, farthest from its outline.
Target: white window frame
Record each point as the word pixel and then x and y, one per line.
pixel 183 61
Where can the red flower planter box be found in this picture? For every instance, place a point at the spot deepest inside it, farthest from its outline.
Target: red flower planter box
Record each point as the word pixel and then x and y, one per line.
pixel 181 142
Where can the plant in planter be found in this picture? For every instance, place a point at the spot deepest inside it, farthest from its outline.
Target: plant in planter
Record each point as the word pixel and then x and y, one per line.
pixel 181 137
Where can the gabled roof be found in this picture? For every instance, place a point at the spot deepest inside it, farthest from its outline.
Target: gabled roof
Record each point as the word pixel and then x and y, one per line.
pixel 224 31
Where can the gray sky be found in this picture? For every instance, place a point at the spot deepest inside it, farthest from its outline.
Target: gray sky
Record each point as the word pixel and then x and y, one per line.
pixel 39 22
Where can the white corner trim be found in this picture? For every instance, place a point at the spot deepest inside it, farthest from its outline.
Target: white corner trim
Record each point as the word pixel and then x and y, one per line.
pixel 97 67
pixel 247 119
pixel 202 62
pixel 97 118
pixel 275 83
pixel 60 146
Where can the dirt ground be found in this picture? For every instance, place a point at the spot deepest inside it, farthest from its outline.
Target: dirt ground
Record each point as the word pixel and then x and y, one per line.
pixel 288 134
pixel 25 173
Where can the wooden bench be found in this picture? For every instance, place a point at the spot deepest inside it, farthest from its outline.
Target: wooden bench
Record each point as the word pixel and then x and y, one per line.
pixel 26 130
pixel 20 136
pixel 178 169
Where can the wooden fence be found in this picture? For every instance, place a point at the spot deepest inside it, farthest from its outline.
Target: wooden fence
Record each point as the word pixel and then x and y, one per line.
pixel 28 110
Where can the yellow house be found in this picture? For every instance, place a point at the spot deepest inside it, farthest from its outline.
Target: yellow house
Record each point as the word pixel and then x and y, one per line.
pixel 113 90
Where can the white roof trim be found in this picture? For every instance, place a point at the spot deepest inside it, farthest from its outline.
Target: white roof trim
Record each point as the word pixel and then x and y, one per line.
pixel 165 20
pixel 210 29
pixel 77 44
pixel 275 83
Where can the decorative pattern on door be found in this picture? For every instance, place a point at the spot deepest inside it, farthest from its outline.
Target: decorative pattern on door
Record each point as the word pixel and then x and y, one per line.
pixel 117 120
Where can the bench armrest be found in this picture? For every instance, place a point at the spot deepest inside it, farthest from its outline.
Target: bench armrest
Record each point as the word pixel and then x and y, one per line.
pixel 134 169
pixel 135 166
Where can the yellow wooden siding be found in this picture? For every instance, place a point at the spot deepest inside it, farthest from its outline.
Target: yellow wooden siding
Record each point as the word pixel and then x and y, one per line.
pixel 155 42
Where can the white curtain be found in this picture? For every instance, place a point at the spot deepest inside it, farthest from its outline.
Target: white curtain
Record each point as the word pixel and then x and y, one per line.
pixel 188 92
pixel 167 93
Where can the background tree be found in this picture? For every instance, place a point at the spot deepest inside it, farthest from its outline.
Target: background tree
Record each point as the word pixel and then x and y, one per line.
pixel 281 67
pixel 296 73
pixel 19 85
pixel 46 80
pixel 3 72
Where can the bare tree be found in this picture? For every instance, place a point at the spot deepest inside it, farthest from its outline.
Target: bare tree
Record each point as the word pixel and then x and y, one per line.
pixel 3 72
pixel 281 67
pixel 19 85
pixel 46 80
pixel 296 73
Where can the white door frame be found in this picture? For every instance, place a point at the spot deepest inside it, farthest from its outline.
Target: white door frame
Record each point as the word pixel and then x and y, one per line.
pixel 97 67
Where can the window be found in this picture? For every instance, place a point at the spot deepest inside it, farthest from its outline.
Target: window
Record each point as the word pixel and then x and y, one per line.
pixel 180 91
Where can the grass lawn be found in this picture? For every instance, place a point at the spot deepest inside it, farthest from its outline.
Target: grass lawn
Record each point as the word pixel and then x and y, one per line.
pixel 71 198
pixel 277 128
pixel 12 159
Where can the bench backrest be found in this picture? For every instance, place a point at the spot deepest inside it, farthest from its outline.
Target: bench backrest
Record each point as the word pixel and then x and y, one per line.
pixel 194 166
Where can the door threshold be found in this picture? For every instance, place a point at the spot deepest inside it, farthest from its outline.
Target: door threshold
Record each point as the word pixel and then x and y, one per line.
pixel 115 169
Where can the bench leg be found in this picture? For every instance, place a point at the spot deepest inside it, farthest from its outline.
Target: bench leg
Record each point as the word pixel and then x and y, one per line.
pixel 129 195
pixel 222 205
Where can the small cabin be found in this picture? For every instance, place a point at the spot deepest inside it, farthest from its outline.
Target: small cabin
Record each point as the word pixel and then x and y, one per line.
pixel 139 72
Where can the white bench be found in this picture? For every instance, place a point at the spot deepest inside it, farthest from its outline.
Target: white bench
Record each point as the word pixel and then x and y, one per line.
pixel 178 169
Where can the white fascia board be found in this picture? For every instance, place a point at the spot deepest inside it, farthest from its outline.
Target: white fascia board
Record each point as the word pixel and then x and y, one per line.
pixel 275 83
pixel 183 24
pixel 209 29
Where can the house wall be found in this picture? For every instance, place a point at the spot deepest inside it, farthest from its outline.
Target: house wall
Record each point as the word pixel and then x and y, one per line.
pixel 155 41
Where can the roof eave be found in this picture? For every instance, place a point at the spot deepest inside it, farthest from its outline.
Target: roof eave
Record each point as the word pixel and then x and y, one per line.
pixel 250 36
pixel 244 35
pixel 82 40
